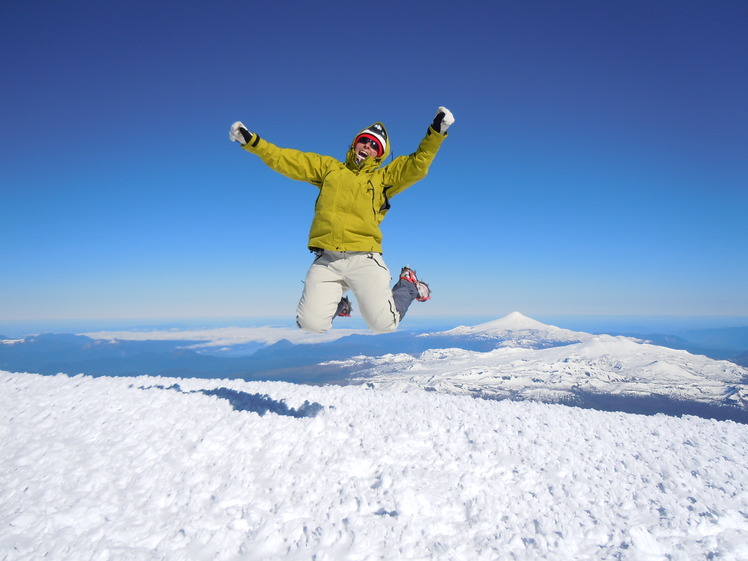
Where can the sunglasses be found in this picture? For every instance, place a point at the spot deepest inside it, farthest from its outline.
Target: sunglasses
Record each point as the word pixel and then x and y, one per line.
pixel 374 143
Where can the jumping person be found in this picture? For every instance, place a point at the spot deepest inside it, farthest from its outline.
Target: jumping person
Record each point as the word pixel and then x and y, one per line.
pixel 345 236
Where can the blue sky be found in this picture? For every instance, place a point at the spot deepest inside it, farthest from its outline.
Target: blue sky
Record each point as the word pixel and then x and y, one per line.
pixel 597 164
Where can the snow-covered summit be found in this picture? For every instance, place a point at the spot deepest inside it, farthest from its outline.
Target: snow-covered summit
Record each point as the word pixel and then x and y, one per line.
pixel 512 322
pixel 531 360
pixel 518 330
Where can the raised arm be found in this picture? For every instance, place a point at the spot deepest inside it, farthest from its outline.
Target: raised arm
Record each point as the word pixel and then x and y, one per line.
pixel 294 164
pixel 404 171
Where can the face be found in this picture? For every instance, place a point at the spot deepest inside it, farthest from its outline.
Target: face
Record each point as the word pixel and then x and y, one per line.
pixel 365 148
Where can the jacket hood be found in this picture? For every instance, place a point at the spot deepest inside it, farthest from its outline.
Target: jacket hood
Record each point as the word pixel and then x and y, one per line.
pixel 350 159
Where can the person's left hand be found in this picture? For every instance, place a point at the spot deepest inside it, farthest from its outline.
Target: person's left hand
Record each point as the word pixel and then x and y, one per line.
pixel 239 133
pixel 443 120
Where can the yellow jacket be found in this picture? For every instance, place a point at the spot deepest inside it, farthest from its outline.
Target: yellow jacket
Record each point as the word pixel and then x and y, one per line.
pixel 353 200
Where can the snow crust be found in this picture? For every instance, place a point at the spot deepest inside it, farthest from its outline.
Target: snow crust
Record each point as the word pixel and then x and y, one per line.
pixel 142 469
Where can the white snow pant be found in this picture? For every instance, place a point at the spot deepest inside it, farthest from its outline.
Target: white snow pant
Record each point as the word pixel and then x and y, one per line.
pixel 334 272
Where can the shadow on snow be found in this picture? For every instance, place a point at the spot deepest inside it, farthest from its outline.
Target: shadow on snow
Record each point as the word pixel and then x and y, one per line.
pixel 254 402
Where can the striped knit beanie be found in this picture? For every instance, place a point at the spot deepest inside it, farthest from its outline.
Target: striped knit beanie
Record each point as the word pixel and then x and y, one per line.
pixel 374 132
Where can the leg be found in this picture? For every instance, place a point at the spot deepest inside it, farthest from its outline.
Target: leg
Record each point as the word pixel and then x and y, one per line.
pixel 404 292
pixel 323 289
pixel 407 289
pixel 369 279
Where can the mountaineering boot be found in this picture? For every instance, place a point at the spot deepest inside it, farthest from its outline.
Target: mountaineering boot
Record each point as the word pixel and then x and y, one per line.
pixel 344 308
pixel 424 292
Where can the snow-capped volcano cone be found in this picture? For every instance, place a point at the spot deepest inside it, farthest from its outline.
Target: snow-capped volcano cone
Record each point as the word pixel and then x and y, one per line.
pixel 518 327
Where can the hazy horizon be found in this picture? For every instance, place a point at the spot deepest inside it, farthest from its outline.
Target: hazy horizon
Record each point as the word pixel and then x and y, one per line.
pixel 576 322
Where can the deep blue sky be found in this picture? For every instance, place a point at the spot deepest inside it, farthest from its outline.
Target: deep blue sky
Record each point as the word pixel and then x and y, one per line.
pixel 598 164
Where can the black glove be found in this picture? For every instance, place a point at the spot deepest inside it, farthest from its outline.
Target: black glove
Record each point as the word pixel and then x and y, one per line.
pixel 443 120
pixel 239 133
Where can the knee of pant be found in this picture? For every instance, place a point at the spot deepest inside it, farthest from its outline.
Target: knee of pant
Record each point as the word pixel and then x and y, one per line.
pixel 387 326
pixel 313 325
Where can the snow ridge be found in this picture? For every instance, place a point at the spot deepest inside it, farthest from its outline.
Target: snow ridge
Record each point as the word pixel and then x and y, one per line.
pixel 535 361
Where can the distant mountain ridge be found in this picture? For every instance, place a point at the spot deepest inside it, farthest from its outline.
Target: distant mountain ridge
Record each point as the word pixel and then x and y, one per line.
pixel 513 357
pixel 531 360
pixel 729 343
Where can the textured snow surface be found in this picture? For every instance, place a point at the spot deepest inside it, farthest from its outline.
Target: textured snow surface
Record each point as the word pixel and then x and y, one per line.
pixel 139 469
